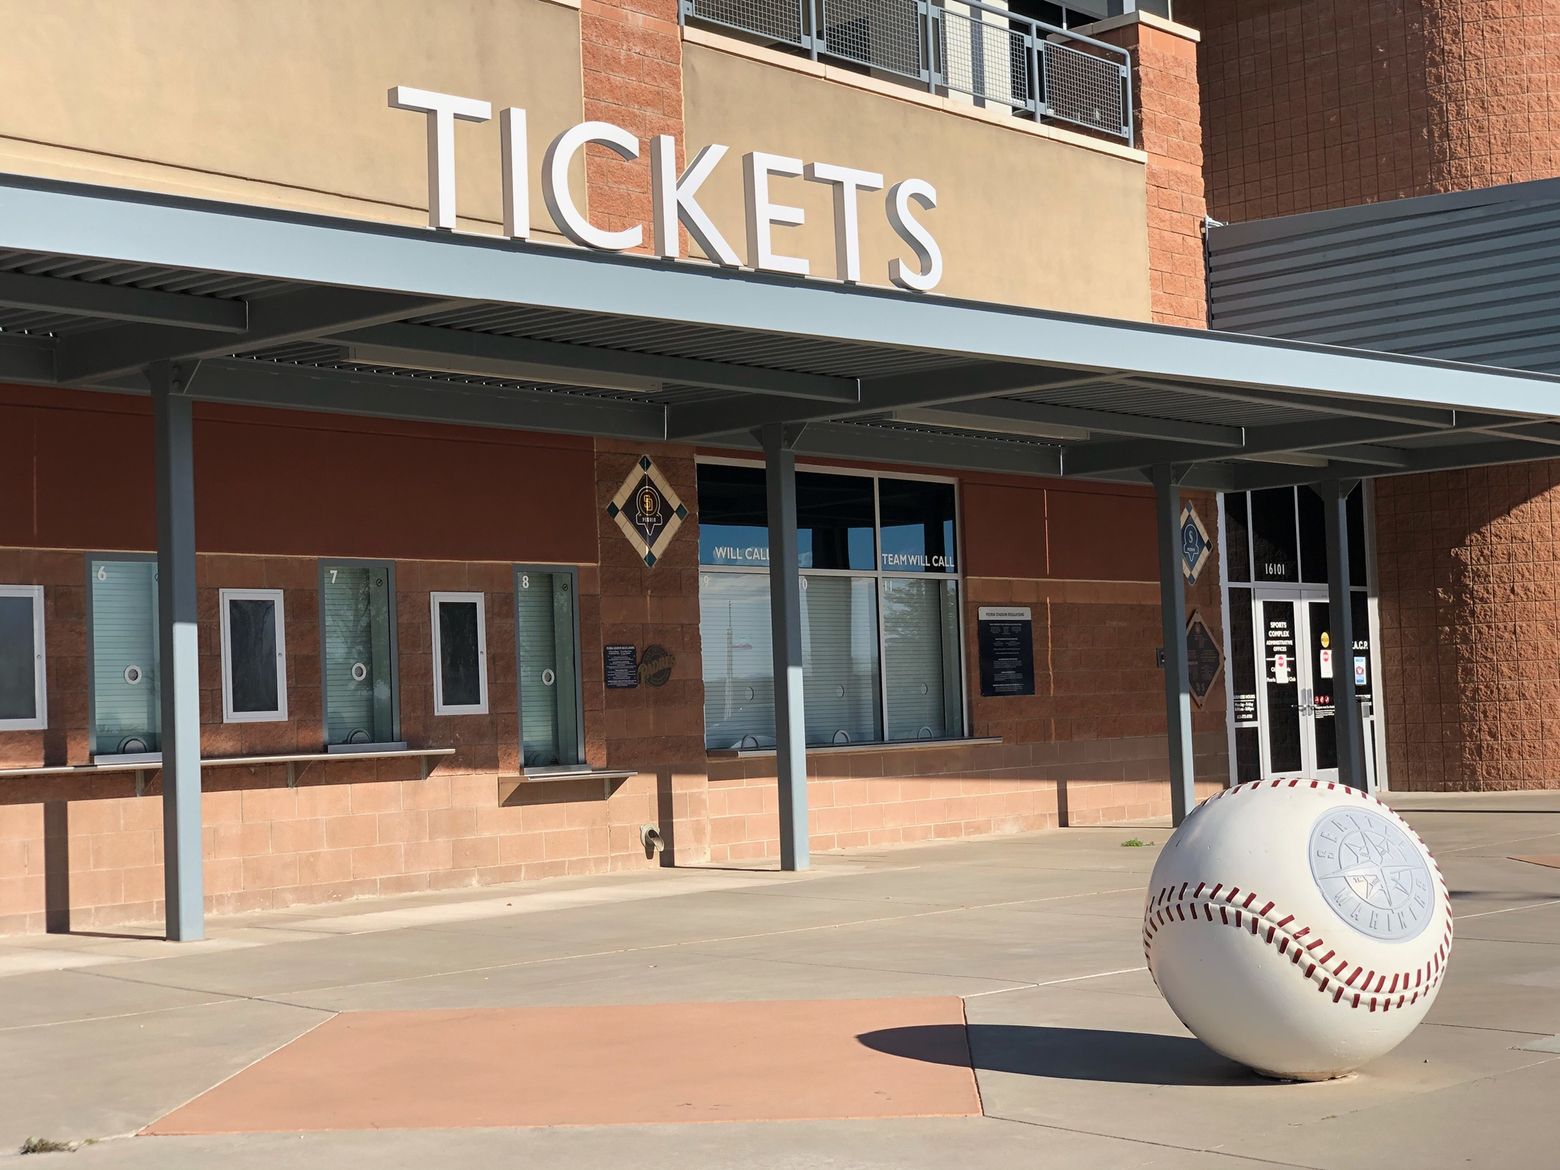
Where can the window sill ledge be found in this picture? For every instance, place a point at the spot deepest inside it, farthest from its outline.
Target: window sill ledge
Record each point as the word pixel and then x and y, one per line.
pixel 511 784
pixel 292 760
pixel 832 749
pixel 552 775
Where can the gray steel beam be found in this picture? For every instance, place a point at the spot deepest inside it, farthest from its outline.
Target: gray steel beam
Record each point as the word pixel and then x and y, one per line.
pixel 275 384
pixel 1094 458
pixel 26 359
pixel 1368 453
pixel 1539 432
pixel 1172 609
pixel 1451 458
pixel 1326 406
pixel 117 302
pixel 878 395
pixel 303 314
pixel 785 621
pixel 1104 422
pixel 467 352
pixel 950 418
pixel 889 445
pixel 1347 724
pixel 179 666
pixel 78 220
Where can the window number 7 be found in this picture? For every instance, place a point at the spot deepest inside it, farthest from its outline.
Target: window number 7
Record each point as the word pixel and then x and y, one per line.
pixel 333 576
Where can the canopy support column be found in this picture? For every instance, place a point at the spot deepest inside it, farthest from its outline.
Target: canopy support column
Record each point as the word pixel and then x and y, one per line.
pixel 1340 620
pixel 785 617
pixel 1172 607
pixel 178 671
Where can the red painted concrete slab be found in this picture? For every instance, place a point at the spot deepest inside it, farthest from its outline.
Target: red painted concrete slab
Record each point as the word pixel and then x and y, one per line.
pixel 754 1061
pixel 1552 861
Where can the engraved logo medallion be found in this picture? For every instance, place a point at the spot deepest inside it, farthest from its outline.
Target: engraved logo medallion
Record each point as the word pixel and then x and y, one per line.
pixel 1371 874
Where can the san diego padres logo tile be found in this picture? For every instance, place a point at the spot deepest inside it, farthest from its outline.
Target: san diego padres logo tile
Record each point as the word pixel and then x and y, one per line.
pixel 1371 874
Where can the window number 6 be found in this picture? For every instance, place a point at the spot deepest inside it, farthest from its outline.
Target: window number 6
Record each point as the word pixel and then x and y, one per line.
pixel 102 573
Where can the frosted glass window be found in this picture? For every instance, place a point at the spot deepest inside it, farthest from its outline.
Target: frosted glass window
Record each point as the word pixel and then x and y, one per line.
pixel 357 613
pixel 921 658
pixel 739 690
pixel 545 624
pixel 840 660
pixel 254 656
pixel 22 683
pixel 459 654
pixel 126 703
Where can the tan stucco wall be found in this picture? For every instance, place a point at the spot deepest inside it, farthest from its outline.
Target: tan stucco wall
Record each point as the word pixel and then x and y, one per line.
pixel 279 102
pixel 1021 219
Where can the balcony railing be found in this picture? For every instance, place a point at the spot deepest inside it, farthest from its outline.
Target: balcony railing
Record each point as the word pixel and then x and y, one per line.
pixel 986 53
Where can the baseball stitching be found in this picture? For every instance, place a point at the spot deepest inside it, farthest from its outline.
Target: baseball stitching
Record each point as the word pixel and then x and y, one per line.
pixel 1358 988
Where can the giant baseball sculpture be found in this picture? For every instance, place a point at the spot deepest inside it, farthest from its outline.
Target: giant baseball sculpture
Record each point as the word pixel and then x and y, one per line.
pixel 1298 927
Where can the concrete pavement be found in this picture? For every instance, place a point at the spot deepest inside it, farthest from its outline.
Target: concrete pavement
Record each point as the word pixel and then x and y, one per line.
pixel 1078 1062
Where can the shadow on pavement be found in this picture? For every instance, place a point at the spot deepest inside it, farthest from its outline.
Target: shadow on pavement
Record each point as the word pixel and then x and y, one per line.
pixel 1075 1054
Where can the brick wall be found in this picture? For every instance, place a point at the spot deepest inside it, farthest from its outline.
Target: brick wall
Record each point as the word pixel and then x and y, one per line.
pixel 1168 127
pixel 659 730
pixel 348 828
pixel 1470 584
pixel 1311 104
pixel 631 58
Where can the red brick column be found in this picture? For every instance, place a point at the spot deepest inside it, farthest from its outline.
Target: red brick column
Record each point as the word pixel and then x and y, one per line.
pixel 631 54
pixel 1333 103
pixel 1167 124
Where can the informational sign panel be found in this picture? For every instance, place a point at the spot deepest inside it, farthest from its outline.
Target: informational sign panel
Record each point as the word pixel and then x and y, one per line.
pixel 1005 635
pixel 1204 658
pixel 622 667
pixel 1279 640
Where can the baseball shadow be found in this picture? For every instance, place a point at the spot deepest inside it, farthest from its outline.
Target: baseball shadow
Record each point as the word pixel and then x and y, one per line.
pixel 1072 1054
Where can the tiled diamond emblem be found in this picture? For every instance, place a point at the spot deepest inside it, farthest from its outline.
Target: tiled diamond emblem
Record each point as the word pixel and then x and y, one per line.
pixel 647 510
pixel 1195 545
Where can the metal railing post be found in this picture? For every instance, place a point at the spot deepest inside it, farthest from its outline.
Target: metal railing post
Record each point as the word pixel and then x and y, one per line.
pixel 933 45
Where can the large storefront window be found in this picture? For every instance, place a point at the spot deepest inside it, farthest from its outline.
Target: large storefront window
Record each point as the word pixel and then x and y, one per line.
pixel 880 608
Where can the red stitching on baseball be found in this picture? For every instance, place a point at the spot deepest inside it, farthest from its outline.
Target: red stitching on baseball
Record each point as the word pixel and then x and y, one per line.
pixel 1425 978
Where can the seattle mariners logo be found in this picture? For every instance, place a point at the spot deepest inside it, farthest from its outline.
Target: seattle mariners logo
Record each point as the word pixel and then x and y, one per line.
pixel 1371 874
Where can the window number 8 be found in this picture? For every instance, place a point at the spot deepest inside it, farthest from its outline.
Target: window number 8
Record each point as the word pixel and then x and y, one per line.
pixel 525 580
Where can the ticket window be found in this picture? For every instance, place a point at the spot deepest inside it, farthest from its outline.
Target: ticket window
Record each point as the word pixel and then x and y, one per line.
pixel 547 633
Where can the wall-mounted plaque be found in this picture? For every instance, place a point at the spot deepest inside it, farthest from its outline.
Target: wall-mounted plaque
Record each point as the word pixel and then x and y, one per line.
pixel 655 666
pixel 1007 650
pixel 1203 658
pixel 622 667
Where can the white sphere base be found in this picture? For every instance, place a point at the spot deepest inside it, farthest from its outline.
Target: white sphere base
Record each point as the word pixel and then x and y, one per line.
pixel 1297 927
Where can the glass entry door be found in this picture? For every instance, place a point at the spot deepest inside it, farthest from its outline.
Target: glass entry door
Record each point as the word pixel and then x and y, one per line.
pixel 1295 655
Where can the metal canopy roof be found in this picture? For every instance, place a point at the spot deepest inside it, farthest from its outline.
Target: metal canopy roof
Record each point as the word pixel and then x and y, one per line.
pixel 306 312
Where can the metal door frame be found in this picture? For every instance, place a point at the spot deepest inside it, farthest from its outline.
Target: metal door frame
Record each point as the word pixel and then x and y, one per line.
pixel 1300 596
